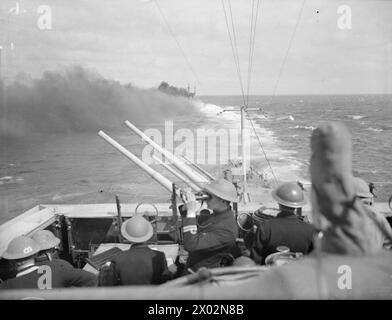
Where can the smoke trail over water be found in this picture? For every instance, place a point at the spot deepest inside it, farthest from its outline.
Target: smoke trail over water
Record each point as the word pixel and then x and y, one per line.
pixel 79 100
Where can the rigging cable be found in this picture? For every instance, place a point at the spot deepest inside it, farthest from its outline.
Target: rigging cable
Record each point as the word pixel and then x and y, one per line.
pixel 175 39
pixel 252 41
pixel 234 48
pixel 250 67
pixel 287 51
pixel 233 44
pixel 261 146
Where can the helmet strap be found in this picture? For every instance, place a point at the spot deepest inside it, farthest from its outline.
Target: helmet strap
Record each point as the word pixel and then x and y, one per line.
pixel 48 255
pixel 23 263
pixel 287 209
pixel 227 203
pixel 298 212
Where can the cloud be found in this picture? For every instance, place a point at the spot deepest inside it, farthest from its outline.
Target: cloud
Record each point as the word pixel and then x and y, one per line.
pixel 130 41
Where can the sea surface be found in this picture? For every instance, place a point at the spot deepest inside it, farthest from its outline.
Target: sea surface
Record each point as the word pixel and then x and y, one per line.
pixel 82 168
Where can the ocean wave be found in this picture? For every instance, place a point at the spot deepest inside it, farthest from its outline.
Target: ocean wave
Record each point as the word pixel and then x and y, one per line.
pixel 207 108
pixel 6 178
pixel 290 117
pixel 10 180
pixel 25 171
pixel 67 196
pixel 384 127
pixel 10 165
pixel 374 129
pixel 303 127
pixel 33 161
pixel 355 116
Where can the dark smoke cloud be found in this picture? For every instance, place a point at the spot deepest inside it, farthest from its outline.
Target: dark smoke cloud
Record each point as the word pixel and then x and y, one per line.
pixel 79 100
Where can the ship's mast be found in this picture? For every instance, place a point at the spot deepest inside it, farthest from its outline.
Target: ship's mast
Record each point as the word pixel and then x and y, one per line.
pixel 242 111
pixel 1 51
pixel 243 152
pixel 2 85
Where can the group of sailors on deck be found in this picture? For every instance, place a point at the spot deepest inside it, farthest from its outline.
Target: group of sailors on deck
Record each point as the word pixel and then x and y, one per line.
pixel 211 241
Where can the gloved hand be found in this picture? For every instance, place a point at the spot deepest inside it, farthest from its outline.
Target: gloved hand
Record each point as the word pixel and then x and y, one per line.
pixel 172 268
pixel 192 206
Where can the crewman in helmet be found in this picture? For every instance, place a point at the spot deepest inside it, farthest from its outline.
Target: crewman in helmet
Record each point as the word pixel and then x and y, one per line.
pixel 20 254
pixel 139 265
pixel 363 191
pixel 208 243
pixel 49 246
pixel 57 273
pixel 286 229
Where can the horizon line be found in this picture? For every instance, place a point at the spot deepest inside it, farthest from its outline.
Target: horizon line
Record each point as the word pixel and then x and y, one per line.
pixel 295 94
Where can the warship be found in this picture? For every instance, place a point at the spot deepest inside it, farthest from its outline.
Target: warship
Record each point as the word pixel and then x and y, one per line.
pixel 90 233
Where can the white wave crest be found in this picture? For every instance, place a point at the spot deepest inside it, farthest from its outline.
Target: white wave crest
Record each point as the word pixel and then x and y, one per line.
pixel 303 127
pixel 355 116
pixel 10 179
pixel 290 117
pixel 374 129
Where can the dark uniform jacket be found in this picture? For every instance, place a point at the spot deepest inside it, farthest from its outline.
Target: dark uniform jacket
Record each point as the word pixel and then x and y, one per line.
pixel 63 274
pixel 284 230
pixel 139 265
pixel 207 243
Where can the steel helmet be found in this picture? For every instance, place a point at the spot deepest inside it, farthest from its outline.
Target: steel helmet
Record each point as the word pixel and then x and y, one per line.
pixel 45 239
pixel 137 229
pixel 289 194
pixel 243 262
pixel 222 189
pixel 21 247
pixel 361 188
pixel 245 221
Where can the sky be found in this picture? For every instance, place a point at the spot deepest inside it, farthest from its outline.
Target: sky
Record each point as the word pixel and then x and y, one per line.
pixel 299 47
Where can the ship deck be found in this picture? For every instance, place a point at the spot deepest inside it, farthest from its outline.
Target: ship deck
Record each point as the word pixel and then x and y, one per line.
pixel 42 216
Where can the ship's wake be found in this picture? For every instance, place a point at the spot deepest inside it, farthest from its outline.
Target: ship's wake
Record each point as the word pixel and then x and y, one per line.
pixel 283 162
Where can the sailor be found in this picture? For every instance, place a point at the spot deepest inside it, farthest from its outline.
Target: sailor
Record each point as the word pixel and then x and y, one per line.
pixel 138 265
pixel 20 253
pixel 286 229
pixel 57 273
pixel 363 191
pixel 49 246
pixel 216 238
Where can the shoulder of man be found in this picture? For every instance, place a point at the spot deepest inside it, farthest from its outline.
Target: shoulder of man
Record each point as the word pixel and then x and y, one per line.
pixel 59 263
pixel 7 284
pixel 226 218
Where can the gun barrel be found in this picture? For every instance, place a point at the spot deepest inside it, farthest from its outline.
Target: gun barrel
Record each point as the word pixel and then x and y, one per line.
pixel 177 174
pixel 166 183
pixel 206 173
pixel 178 163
